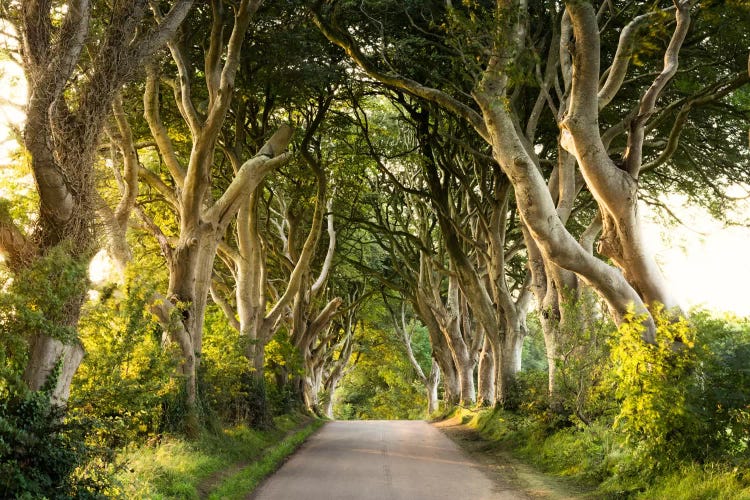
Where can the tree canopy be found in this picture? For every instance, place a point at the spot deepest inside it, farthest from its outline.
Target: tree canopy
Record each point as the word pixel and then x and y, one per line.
pixel 369 209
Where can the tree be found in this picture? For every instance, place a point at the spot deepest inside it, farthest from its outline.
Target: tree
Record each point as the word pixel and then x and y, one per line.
pixel 203 219
pixel 539 98
pixel 432 378
pixel 76 55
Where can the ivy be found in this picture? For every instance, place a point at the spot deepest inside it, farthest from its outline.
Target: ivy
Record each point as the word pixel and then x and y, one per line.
pixel 46 296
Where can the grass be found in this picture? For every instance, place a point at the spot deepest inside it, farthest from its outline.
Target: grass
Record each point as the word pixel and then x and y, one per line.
pixel 595 455
pixel 181 468
pixel 693 482
pixel 247 479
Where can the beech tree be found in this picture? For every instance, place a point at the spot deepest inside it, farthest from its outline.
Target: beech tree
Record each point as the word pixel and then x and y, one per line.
pixel 203 215
pixel 76 56
pixel 431 379
pixel 258 308
pixel 519 84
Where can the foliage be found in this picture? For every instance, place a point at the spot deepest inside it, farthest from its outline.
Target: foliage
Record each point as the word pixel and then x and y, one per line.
pixel 664 419
pixel 583 352
pixel 39 297
pixel 224 369
pixel 247 479
pixel 383 384
pixel 420 344
pixel 720 397
pixel 44 453
pixel 533 354
pixel 180 468
pixel 283 361
pixel 653 381
pixel 530 392
pixel 126 377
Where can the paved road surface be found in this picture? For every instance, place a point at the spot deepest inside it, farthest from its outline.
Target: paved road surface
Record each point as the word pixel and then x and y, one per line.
pixel 383 460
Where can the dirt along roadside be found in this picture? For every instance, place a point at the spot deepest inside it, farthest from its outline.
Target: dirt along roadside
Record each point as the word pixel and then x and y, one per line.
pixel 211 482
pixel 506 470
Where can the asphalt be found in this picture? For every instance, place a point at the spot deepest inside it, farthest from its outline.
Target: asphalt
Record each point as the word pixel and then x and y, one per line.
pixel 381 460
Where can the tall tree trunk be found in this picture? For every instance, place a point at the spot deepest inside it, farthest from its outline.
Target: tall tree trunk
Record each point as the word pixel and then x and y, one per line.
pixel 508 363
pixel 440 352
pixel 486 375
pixel 431 385
pixel 430 380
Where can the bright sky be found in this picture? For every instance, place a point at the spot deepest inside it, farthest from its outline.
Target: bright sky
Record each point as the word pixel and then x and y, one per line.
pixel 706 263
pixel 13 88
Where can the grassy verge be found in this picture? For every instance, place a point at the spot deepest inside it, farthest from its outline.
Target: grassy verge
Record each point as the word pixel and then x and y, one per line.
pixel 238 485
pixel 180 468
pixel 595 456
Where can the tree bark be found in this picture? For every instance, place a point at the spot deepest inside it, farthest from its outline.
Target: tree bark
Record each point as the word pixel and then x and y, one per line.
pixel 66 112
pixel 486 375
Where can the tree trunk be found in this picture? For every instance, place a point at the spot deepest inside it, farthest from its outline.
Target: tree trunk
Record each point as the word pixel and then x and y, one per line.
pixel 440 351
pixel 331 385
pixel 451 384
pixel 486 375
pixel 46 354
pixel 509 362
pixel 431 386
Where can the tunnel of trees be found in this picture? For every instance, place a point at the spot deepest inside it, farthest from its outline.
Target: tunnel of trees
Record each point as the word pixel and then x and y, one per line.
pixel 224 211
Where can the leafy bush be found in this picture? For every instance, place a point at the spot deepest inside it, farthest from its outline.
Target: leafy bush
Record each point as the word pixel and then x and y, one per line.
pixel 721 394
pixel 687 395
pixel 224 370
pixel 583 358
pixel 283 362
pixel 530 392
pixel 653 381
pixel 42 296
pixel 44 453
pixel 126 376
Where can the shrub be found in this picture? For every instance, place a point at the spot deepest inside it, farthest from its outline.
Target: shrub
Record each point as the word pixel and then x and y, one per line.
pixel 653 381
pixel 583 358
pixel 45 454
pixel 721 396
pixel 126 376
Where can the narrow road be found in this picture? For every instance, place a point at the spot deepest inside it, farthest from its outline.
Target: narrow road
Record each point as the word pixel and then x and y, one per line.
pixel 383 460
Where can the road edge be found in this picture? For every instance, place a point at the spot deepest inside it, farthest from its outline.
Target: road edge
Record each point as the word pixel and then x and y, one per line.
pixel 245 482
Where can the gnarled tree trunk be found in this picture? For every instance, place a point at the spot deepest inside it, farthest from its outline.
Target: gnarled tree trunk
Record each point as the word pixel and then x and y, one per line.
pixel 69 98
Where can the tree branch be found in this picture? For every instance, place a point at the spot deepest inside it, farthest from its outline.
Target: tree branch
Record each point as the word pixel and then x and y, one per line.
pixel 158 130
pixel 14 244
pixel 343 40
pixel 328 262
pixel 633 157
pixel 270 156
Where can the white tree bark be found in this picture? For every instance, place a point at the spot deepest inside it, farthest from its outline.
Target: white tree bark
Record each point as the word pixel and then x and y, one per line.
pixel 203 222
pixel 65 117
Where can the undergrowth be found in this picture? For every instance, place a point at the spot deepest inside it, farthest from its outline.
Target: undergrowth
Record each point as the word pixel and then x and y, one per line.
pixel 179 468
pixel 246 479
pixel 651 420
pixel 598 457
